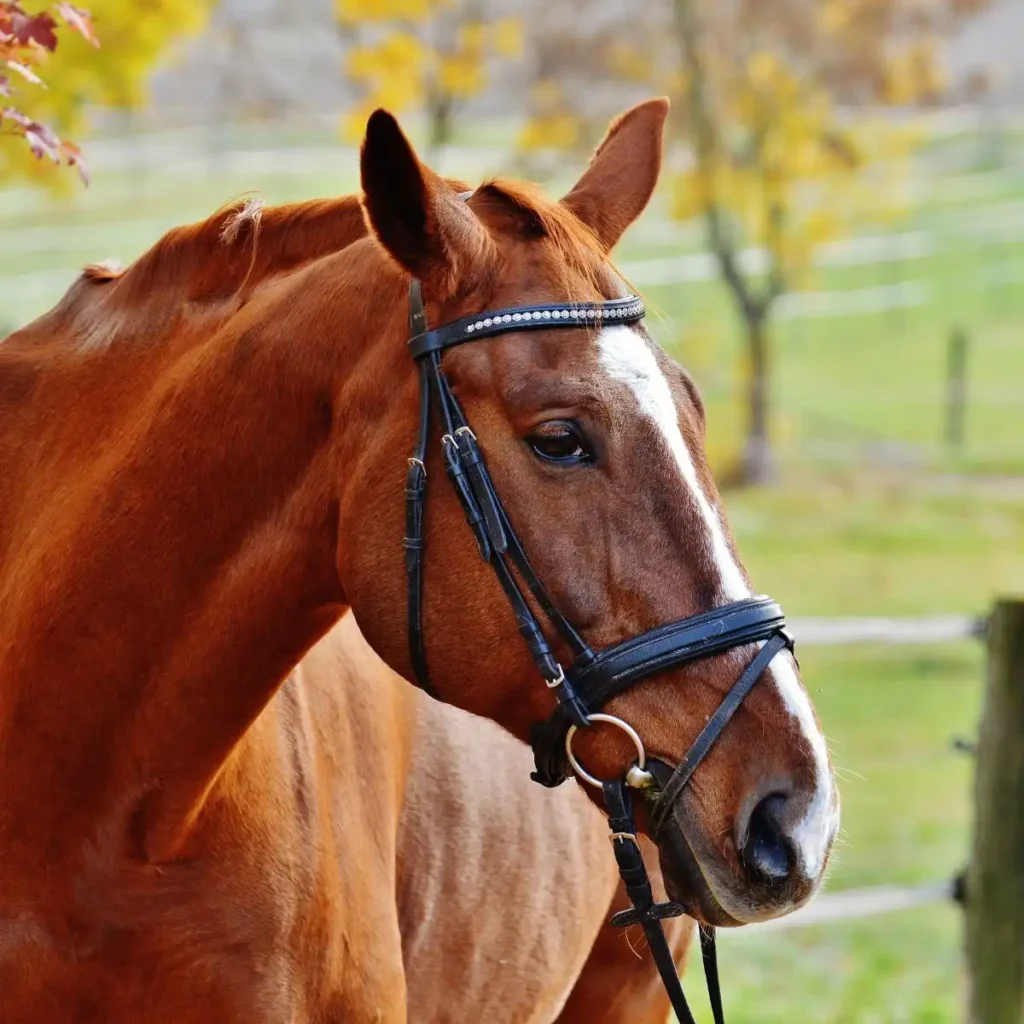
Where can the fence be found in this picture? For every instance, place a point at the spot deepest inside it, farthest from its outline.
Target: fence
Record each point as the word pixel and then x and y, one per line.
pixel 992 888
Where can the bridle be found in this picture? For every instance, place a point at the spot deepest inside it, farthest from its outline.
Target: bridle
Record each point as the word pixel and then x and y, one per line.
pixel 592 678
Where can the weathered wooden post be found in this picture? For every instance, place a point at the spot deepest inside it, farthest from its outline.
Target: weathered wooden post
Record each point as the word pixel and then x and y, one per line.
pixel 995 879
pixel 956 388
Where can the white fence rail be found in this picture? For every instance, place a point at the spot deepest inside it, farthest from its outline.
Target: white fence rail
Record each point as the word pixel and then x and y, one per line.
pixel 933 629
pixel 851 905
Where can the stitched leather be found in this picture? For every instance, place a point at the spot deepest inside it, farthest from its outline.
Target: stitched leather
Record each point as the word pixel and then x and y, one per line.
pixel 721 629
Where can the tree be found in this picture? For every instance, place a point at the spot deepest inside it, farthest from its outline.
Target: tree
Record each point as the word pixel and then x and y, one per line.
pixel 135 33
pixel 777 164
pixel 776 106
pixel 429 55
pixel 24 38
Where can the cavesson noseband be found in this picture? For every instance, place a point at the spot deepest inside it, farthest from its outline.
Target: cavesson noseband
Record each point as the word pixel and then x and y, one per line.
pixel 592 678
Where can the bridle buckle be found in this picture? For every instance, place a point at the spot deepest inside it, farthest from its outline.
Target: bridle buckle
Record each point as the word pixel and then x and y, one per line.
pixel 553 684
pixel 625 837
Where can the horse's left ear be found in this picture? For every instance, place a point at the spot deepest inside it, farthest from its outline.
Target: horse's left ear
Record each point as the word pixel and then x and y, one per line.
pixel 622 174
pixel 415 214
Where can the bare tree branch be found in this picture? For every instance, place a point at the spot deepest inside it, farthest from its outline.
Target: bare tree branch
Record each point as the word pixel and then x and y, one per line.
pixel 776 284
pixel 706 149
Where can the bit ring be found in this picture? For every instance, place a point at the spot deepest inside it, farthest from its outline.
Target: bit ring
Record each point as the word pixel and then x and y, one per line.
pixel 641 756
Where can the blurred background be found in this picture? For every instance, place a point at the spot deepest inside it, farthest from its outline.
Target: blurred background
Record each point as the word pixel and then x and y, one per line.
pixel 836 252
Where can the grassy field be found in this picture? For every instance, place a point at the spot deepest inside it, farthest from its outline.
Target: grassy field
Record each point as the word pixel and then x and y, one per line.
pixel 860 526
pixel 867 546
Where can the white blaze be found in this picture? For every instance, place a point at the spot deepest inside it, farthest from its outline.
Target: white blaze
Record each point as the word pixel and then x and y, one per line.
pixel 626 357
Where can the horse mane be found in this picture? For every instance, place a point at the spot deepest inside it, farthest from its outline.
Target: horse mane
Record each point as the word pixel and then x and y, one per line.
pixel 200 267
pixel 240 245
pixel 245 242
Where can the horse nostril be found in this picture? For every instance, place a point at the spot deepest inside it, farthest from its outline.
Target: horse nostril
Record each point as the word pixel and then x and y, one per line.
pixel 768 853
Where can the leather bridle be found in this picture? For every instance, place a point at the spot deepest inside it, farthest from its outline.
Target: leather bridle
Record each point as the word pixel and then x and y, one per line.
pixel 592 678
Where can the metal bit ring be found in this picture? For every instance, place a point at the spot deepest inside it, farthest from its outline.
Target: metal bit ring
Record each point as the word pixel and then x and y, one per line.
pixel 632 777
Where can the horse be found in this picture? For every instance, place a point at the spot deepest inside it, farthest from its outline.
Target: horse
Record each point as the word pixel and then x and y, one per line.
pixel 461 863
pixel 204 460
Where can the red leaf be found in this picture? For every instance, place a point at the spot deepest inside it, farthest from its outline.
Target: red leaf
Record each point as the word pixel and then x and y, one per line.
pixel 79 20
pixel 74 159
pixel 38 28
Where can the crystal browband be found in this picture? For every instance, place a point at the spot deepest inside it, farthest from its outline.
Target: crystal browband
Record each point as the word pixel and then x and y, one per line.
pixel 627 310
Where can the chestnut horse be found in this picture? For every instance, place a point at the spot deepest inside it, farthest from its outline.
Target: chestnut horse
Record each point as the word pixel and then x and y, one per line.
pixel 203 464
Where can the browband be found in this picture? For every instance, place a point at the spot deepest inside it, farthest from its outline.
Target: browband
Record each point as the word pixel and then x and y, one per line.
pixel 524 318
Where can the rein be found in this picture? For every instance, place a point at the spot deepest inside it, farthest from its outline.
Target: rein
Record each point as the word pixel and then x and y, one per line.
pixel 592 678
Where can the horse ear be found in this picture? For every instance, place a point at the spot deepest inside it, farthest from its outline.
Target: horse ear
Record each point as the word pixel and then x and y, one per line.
pixel 622 174
pixel 416 215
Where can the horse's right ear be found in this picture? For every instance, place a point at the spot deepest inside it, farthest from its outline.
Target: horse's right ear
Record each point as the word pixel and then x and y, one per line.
pixel 416 215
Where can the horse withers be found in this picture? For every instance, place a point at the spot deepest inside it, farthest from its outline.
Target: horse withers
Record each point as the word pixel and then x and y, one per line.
pixel 204 460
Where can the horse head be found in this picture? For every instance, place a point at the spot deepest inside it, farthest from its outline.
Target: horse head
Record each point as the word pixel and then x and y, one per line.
pixel 593 438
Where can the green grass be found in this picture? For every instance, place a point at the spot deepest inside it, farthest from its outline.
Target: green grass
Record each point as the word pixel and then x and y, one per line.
pixel 837 546
pixel 857 545
pixel 902 968
pixel 875 384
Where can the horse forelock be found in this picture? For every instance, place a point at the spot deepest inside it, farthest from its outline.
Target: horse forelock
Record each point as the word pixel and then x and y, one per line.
pixel 578 265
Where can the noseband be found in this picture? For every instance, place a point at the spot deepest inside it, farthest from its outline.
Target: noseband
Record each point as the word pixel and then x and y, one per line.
pixel 592 678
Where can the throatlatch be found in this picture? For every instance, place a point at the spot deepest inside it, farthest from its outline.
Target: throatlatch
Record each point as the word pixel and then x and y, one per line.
pixel 592 678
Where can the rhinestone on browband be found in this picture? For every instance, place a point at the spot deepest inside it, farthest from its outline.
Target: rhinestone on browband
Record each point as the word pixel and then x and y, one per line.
pixel 587 313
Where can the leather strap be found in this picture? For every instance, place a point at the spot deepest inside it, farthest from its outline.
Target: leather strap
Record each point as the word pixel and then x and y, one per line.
pixel 489 523
pixel 709 959
pixel 617 668
pixel 415 500
pixel 662 807
pixel 646 912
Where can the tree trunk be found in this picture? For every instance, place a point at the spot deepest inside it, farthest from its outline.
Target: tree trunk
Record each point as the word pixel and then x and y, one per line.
pixel 758 461
pixel 995 879
pixel 439 115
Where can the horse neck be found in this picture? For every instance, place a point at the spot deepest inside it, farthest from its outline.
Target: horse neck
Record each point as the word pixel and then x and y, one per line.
pixel 173 554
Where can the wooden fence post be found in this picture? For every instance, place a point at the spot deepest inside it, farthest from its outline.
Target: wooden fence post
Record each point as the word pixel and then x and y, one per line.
pixel 995 880
pixel 956 388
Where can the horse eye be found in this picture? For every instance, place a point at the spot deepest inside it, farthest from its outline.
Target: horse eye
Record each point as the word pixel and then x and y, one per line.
pixel 560 441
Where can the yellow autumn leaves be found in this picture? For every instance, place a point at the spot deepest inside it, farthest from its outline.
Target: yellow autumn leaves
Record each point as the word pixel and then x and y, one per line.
pixel 790 172
pixel 401 67
pixel 133 35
